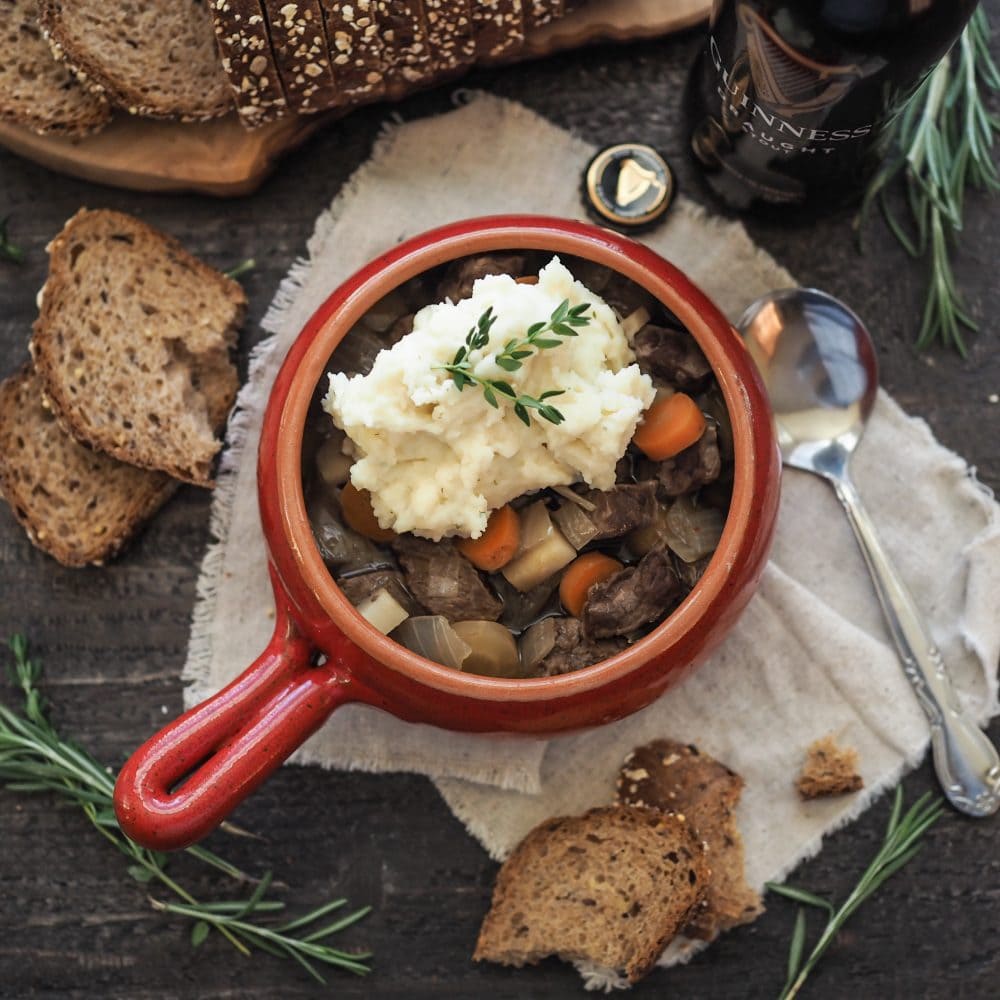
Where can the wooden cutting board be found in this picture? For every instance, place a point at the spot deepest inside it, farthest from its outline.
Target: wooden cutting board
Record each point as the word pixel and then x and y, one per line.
pixel 222 158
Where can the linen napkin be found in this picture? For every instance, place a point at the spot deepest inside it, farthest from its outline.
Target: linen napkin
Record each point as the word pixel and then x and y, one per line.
pixel 810 656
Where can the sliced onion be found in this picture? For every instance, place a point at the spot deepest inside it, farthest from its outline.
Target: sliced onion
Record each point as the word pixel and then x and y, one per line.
pixel 494 651
pixel 694 531
pixel 332 465
pixel 536 643
pixel 576 526
pixel 574 497
pixel 536 526
pixel 340 547
pixel 383 611
pixel 635 321
pixel 433 637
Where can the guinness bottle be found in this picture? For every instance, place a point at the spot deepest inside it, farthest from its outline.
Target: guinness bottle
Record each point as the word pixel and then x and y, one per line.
pixel 788 101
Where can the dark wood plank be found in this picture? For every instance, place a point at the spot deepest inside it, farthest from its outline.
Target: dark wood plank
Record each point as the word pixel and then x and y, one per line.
pixel 72 924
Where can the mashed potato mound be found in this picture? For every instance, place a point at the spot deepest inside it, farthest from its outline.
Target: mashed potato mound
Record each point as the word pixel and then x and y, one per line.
pixel 437 461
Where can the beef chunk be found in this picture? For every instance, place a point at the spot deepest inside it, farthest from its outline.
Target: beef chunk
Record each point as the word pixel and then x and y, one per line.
pixel 361 586
pixel 690 573
pixel 693 467
pixel 463 274
pixel 444 581
pixel 573 650
pixel 622 509
pixel 400 329
pixel 625 296
pixel 633 597
pixel 671 355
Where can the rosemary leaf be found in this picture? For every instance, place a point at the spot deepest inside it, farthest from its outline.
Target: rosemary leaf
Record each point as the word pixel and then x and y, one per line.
pixel 943 146
pixel 900 846
pixel 35 758
pixel 244 267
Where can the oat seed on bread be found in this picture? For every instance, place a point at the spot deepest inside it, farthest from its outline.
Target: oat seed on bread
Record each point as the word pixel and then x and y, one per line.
pixel 132 344
pixel 610 888
pixel 155 59
pixel 35 90
pixel 676 777
pixel 829 770
pixel 76 504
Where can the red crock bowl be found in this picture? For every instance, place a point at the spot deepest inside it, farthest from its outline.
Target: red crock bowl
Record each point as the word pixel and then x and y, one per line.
pixel 185 780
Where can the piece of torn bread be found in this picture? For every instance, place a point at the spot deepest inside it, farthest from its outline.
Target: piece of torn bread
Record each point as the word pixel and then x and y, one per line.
pixel 677 778
pixel 76 504
pixel 609 888
pixel 133 342
pixel 829 770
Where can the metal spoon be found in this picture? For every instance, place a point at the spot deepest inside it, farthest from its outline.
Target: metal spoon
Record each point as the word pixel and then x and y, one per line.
pixel 818 363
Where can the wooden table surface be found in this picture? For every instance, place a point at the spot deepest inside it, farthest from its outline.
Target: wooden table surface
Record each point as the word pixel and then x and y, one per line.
pixel 113 640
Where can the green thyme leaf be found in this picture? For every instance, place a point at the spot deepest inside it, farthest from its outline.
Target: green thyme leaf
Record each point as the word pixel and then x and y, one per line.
pixel 9 251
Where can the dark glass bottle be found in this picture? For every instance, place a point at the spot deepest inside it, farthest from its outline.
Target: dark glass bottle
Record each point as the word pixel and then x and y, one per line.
pixel 787 102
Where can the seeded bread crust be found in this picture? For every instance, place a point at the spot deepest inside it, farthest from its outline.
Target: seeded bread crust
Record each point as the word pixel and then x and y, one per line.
pixel 356 49
pixel 132 344
pixel 302 55
pixel 35 90
pixel 498 27
pixel 676 778
pixel 611 887
pixel 78 505
pixel 407 55
pixel 244 39
pixel 449 35
pixel 539 12
pixel 158 61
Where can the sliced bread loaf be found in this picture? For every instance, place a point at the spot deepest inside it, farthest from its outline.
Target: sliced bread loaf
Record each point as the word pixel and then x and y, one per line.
pixel 35 90
pixel 609 888
pixel 677 778
pixel 449 35
pixel 498 26
pixel 409 60
pixel 132 344
pixel 76 504
pixel 302 54
pixel 357 49
pixel 154 59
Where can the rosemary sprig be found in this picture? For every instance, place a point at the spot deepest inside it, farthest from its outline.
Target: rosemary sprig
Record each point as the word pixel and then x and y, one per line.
pixel 563 322
pixel 943 141
pixel 900 845
pixel 9 251
pixel 35 758
pixel 244 267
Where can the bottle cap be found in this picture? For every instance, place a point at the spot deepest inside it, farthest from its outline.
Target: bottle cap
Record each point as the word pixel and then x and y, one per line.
pixel 629 185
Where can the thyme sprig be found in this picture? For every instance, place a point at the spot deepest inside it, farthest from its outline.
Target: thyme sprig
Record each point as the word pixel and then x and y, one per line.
pixel 564 322
pixel 942 141
pixel 243 267
pixel 35 758
pixel 900 845
pixel 9 251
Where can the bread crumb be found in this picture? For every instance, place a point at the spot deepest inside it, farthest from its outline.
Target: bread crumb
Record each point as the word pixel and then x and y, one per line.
pixel 829 770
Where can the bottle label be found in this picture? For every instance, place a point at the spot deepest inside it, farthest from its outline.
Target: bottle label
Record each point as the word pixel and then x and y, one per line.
pixel 773 105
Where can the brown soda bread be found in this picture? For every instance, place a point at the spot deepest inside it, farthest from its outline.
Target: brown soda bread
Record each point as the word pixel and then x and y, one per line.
pixel 77 504
pixel 132 344
pixel 677 778
pixel 829 770
pixel 35 90
pixel 610 887
pixel 153 59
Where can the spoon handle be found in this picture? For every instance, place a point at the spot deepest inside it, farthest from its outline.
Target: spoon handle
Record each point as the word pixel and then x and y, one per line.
pixel 965 760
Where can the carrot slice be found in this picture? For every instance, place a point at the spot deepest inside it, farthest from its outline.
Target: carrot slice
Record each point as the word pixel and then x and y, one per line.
pixel 527 279
pixel 581 574
pixel 356 506
pixel 669 426
pixel 496 546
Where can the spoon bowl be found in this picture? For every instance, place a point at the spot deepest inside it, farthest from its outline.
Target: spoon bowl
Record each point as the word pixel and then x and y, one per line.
pixel 818 364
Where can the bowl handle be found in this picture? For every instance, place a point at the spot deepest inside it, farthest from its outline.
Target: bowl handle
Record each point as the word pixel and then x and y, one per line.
pixel 184 781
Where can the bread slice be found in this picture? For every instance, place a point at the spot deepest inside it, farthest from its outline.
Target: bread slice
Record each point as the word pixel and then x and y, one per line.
pixel 301 53
pixel 449 35
pixel 357 49
pixel 76 504
pixel 829 770
pixel 539 12
pixel 610 888
pixel 677 778
pixel 498 27
pixel 35 90
pixel 132 344
pixel 407 54
pixel 155 59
